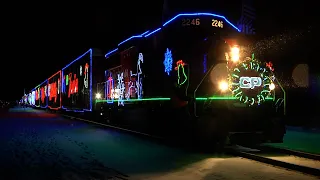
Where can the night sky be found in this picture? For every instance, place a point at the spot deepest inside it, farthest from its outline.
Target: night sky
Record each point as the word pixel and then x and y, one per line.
pixel 37 42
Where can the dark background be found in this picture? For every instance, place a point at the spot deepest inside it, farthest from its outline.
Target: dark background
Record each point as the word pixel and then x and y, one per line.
pixel 38 40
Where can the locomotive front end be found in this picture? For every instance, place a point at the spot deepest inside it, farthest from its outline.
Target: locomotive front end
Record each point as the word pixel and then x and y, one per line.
pixel 242 99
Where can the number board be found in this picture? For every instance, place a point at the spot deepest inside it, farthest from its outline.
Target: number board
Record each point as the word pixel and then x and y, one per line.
pixel 216 23
pixel 197 22
pixel 191 22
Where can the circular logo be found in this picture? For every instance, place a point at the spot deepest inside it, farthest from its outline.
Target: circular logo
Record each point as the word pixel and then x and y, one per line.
pixel 251 81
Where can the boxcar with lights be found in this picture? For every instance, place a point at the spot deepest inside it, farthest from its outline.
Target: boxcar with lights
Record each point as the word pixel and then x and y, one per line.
pixel 32 97
pixel 69 89
pixel 26 102
pixel 40 95
pixel 76 84
pixel 198 59
pixel 24 99
pixel 54 91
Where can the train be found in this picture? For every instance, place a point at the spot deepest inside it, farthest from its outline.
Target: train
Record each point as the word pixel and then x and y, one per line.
pixel 191 79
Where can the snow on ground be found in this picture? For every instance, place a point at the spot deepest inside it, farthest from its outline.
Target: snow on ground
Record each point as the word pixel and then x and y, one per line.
pixel 280 157
pixel 37 145
pixel 297 160
pixel 227 169
pixel 301 140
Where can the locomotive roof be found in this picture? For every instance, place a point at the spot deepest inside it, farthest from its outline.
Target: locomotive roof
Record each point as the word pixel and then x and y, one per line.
pixel 150 32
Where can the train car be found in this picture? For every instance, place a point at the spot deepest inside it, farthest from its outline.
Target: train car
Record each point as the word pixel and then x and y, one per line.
pixel 69 89
pixel 40 95
pixel 54 91
pixel 32 97
pixel 24 99
pixel 29 102
pixel 191 74
pixel 76 84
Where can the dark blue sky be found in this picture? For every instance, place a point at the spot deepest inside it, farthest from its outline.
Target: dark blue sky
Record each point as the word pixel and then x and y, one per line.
pixel 38 42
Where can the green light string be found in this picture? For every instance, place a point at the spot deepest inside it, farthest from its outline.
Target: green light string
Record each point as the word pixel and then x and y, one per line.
pixel 168 99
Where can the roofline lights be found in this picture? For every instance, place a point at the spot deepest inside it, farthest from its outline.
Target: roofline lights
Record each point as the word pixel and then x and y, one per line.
pixel 148 33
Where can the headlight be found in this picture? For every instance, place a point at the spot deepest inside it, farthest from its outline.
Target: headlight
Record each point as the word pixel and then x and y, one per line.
pixel 98 96
pixel 235 53
pixel 223 86
pixel 272 86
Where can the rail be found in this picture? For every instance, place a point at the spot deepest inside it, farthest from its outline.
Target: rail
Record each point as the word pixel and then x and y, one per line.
pixel 255 155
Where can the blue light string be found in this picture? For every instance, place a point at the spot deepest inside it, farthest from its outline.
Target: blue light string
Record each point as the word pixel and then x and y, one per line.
pixel 149 33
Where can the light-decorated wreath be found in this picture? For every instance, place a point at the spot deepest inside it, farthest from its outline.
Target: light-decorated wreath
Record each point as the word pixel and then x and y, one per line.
pixel 250 81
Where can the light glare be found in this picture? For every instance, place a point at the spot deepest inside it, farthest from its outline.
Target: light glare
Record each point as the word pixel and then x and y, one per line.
pixel 272 86
pixel 98 96
pixel 223 86
pixel 235 54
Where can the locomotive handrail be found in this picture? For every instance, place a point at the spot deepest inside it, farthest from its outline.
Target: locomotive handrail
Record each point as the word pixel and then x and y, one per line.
pixel 281 102
pixel 284 95
pixel 195 91
pixel 278 103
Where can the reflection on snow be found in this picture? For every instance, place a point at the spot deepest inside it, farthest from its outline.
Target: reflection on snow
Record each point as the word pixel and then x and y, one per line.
pixel 41 157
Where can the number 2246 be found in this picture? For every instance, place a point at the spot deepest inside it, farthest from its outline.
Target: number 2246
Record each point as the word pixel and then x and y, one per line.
pixel 216 23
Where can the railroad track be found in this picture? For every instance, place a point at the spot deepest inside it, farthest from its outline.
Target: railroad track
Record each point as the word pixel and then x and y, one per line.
pixel 291 152
pixel 289 159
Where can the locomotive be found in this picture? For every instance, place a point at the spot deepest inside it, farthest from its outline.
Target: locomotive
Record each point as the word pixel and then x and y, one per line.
pixel 190 78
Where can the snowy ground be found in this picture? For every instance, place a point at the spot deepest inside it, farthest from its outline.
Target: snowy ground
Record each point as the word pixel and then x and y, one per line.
pixel 301 140
pixel 37 145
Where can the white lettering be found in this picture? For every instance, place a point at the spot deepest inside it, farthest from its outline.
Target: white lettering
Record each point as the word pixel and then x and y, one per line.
pixel 250 82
